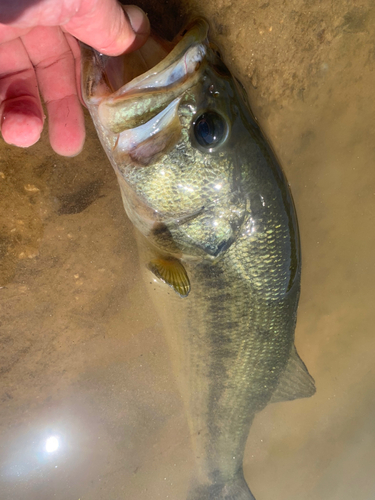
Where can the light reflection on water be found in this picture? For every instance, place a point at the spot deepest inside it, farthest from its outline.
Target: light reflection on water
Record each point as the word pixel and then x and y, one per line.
pixel 33 458
pixel 83 356
pixel 52 444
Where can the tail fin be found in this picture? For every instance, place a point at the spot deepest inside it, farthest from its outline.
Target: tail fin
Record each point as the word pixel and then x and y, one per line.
pixel 235 490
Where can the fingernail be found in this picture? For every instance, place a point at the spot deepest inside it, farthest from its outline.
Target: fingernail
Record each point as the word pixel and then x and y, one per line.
pixel 138 19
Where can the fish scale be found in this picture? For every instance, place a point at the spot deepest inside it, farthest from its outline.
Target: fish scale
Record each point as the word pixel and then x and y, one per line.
pixel 232 357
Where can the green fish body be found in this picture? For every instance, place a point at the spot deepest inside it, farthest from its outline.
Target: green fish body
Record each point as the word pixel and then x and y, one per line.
pixel 219 238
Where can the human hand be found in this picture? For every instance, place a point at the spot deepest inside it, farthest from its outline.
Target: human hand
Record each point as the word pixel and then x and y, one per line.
pixel 39 52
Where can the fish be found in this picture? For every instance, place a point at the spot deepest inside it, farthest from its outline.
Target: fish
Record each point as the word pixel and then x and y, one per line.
pixel 218 237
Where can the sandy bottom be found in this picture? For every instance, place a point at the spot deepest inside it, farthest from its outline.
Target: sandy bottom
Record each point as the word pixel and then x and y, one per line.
pixel 83 356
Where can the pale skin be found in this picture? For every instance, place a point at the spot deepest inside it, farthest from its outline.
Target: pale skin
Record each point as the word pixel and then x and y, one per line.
pixel 40 56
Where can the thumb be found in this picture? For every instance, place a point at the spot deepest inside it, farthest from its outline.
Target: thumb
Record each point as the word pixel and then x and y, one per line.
pixel 111 28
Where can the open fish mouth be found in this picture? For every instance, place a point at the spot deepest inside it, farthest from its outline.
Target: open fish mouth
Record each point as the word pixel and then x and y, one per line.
pixel 129 90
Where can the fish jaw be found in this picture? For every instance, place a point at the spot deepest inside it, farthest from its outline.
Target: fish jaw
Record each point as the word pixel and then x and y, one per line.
pixel 142 98
pixel 138 122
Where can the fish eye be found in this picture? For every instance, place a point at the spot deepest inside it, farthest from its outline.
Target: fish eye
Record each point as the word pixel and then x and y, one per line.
pixel 210 129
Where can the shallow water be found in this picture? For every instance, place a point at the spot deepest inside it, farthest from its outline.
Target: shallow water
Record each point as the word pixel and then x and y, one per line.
pixel 83 356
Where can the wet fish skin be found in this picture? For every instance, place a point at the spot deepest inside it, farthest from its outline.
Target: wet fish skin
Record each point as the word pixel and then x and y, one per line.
pixel 218 227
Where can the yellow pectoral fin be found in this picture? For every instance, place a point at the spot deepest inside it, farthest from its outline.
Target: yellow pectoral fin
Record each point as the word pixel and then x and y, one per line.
pixel 173 273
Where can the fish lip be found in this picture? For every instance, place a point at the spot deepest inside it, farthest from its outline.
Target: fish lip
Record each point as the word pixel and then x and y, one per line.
pixel 194 35
pixel 94 63
pixel 142 98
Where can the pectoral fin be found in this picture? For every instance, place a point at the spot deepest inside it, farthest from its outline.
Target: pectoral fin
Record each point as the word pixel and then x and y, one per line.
pixel 296 382
pixel 173 273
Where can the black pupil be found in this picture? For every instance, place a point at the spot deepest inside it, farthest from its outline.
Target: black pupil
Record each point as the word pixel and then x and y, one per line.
pixel 209 129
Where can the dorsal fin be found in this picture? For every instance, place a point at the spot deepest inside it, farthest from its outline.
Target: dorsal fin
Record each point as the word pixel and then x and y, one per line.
pixel 296 382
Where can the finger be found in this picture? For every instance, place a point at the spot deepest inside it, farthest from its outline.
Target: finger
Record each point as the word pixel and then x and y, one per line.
pixel 20 107
pixel 109 27
pixel 8 33
pixel 104 24
pixel 54 64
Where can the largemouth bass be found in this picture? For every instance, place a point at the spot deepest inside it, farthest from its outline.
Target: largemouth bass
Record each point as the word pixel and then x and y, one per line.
pixel 220 239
